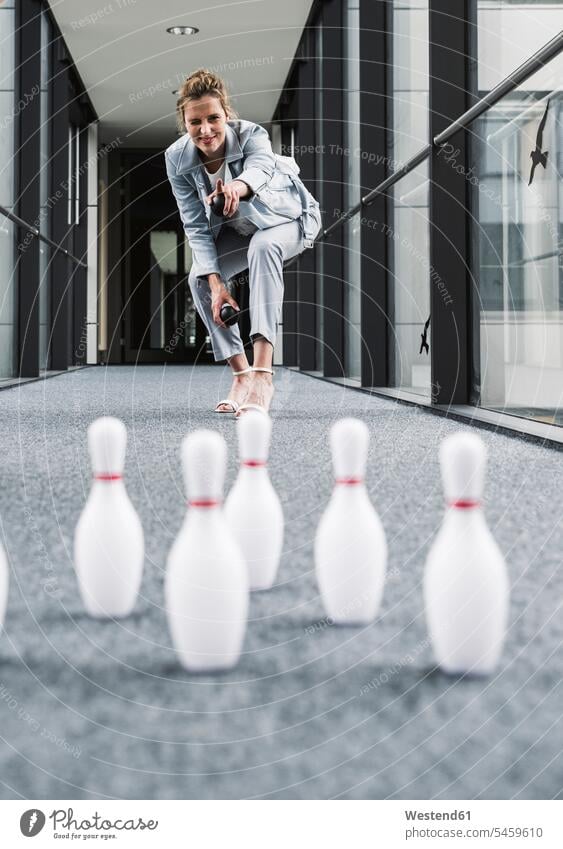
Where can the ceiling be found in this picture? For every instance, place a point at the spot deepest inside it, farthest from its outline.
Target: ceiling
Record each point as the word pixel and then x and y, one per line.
pixel 130 64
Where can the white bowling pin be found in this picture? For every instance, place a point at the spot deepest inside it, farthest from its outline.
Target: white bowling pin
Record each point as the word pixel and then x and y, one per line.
pixel 206 585
pixel 466 587
pixel 109 546
pixel 350 545
pixel 253 509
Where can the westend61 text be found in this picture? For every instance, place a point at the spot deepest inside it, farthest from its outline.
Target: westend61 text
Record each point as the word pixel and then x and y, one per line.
pixel 438 815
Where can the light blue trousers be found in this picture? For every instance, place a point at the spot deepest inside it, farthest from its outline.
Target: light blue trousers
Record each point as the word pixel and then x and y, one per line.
pixel 263 253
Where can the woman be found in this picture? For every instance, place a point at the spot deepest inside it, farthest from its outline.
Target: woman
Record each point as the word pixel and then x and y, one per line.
pixel 268 218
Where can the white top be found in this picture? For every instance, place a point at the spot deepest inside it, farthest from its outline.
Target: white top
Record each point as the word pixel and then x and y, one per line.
pixel 224 173
pixel 240 224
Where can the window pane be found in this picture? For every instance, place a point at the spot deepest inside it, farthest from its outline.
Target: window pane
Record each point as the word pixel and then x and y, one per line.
pixel 77 176
pixel 409 101
pixel 407 226
pixel 8 118
pixel 319 252
pixel 6 148
pixel 352 311
pixel 410 293
pixel 70 189
pixel 45 257
pixel 7 272
pixel 519 197
pixel 44 304
pixel 7 43
pixel 509 32
pixel 352 192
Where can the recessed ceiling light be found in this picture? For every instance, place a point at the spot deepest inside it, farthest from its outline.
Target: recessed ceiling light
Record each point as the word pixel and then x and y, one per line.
pixel 182 30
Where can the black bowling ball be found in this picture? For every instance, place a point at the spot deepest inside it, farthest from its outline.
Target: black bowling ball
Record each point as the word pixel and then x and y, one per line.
pixel 218 204
pixel 229 315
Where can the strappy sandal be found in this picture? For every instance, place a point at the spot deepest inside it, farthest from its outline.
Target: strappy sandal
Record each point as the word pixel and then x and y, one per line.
pixel 258 407
pixel 235 407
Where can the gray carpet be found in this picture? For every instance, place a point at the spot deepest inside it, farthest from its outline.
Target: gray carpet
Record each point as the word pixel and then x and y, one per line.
pixel 102 710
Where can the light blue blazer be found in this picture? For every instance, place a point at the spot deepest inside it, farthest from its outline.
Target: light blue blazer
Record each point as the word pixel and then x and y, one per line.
pixel 278 193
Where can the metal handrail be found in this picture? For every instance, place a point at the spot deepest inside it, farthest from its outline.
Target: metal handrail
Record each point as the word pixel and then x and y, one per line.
pixel 36 232
pixel 520 75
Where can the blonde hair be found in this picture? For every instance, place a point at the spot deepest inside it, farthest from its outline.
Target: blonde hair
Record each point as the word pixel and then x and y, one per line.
pixel 202 82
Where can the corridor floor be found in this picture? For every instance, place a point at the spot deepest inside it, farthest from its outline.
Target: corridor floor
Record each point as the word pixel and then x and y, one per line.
pixel 93 709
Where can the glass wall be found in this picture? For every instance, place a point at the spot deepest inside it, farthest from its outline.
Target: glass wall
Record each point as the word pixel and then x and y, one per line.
pixel 319 254
pixel 409 58
pixel 509 32
pixel 8 115
pixel 352 192
pixel 26 107
pixel 45 205
pixel 73 202
pixel 519 198
pixel 407 227
pixel 514 325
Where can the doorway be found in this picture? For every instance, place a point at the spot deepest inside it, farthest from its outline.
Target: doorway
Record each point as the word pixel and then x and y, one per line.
pixel 151 315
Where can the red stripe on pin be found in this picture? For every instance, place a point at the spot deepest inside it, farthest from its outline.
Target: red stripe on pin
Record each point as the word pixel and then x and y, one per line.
pixel 464 503
pixel 253 464
pixel 349 481
pixel 107 476
pixel 204 502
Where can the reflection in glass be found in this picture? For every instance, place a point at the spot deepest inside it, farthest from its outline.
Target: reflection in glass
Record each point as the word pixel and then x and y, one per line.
pixel 7 148
pixel 44 194
pixel 319 251
pixel 410 296
pixel 189 307
pixel 8 110
pixel 409 101
pixel 163 295
pixel 7 301
pixel 352 313
pixel 407 227
pixel 510 32
pixel 519 195
pixel 7 45
pixel 162 280
pixel 352 194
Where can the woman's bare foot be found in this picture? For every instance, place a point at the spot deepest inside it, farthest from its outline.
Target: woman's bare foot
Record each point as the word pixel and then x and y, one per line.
pixel 260 392
pixel 237 393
